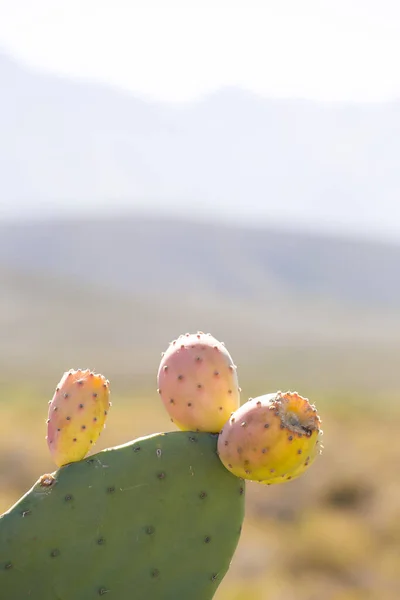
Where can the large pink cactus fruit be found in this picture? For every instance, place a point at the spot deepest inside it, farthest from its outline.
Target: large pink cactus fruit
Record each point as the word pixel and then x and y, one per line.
pixel 198 383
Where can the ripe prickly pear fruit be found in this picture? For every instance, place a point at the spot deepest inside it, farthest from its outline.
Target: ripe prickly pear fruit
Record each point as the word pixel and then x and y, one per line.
pixel 77 415
pixel 271 439
pixel 198 383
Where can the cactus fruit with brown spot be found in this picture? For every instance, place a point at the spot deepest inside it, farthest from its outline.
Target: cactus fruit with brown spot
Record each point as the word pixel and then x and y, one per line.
pixel 198 383
pixel 271 439
pixel 77 415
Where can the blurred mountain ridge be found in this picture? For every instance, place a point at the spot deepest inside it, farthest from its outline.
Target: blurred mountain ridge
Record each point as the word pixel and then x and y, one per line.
pixel 175 257
pixel 111 293
pixel 72 145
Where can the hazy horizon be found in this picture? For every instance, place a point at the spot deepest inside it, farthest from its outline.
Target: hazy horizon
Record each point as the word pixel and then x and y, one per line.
pixel 231 156
pixel 238 112
pixel 188 49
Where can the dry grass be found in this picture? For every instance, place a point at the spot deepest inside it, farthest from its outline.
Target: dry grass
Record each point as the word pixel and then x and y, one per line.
pixel 333 534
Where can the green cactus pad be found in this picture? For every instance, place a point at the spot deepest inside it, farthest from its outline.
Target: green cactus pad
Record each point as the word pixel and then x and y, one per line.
pixel 155 519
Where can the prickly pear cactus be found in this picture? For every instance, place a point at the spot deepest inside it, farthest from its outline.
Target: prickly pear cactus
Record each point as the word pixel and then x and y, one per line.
pixel 271 439
pixel 77 415
pixel 156 519
pixel 198 383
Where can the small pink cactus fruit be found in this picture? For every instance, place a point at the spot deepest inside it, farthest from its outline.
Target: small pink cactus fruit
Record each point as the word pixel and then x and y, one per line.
pixel 271 439
pixel 198 383
pixel 77 415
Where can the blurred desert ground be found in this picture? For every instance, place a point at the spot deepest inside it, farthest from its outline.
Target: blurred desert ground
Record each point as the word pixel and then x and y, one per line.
pixel 104 259
pixel 296 311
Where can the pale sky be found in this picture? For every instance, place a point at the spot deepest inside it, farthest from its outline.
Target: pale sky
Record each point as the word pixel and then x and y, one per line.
pixel 177 50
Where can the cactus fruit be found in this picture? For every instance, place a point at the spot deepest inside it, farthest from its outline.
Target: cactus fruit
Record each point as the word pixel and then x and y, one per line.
pixel 158 518
pixel 198 383
pixel 271 439
pixel 77 414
